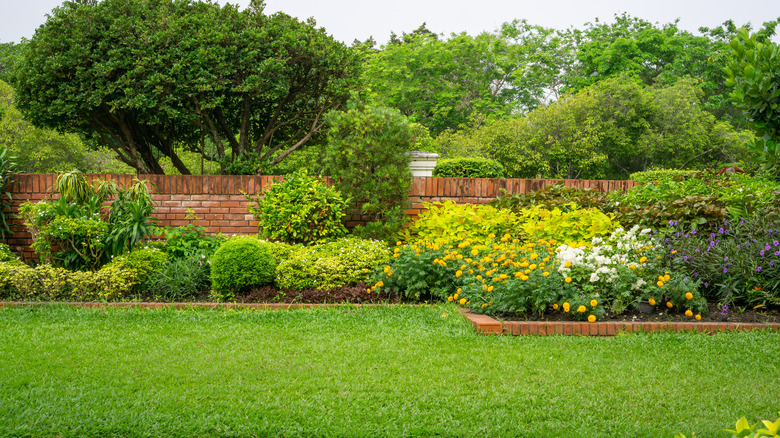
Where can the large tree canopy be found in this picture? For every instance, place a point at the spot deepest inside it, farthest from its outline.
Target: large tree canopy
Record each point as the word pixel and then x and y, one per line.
pixel 146 76
pixel 608 130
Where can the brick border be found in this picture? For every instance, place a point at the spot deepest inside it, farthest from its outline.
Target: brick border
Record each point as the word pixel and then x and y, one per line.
pixel 490 326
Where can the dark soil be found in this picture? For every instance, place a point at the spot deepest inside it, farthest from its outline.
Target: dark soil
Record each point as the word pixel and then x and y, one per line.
pixel 345 294
pixel 714 314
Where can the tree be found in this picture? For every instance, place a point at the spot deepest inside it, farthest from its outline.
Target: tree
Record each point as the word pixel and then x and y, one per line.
pixel 40 150
pixel 366 156
pixel 146 76
pixel 609 130
pixel 442 83
pixel 754 73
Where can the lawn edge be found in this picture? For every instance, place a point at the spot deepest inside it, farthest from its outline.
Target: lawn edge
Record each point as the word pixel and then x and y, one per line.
pixel 487 325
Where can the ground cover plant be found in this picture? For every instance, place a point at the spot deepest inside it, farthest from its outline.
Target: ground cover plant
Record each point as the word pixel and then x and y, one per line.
pixel 379 371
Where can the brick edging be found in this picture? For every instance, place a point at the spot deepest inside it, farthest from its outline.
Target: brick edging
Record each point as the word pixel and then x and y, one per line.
pixel 490 326
pixel 177 306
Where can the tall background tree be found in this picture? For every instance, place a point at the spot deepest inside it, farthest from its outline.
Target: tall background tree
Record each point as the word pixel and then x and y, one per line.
pixel 147 77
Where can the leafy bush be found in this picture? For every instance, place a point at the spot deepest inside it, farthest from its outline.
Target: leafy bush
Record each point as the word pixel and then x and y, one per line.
pixel 182 242
pixel 658 174
pixel 574 227
pixel 88 234
pixel 555 195
pixel 7 168
pixel 180 278
pixel 465 167
pixel 116 280
pixel 300 209
pixel 346 261
pixel 450 222
pixel 366 157
pixel 240 264
pixel 5 253
pixel 282 251
pixel 738 263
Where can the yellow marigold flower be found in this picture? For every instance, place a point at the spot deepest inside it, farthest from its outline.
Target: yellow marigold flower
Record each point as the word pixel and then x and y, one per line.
pixel 524 277
pixel 567 264
pixel 450 298
pixel 462 301
pixel 484 288
pixel 483 306
pixel 688 313
pixel 651 302
pixel 555 306
pixel 660 283
pixel 490 289
pixel 660 278
pixel 643 259
pixel 532 267
pixel 459 290
pixel 545 274
pixel 459 256
pixel 455 296
pixel 568 280
pixel 688 296
pixel 666 277
pixel 398 243
pixel 594 303
pixel 389 274
pixel 566 307
pixel 379 284
pixel 458 273
pixel 591 318
pixel 396 255
pixel 698 317
pixel 581 309
pixel 669 304
pixel 518 274
pixel 546 259
pixel 479 277
pixel 474 252
pixel 368 290
pixel 491 236
pixel 534 256
pixel 632 266
pixel 502 276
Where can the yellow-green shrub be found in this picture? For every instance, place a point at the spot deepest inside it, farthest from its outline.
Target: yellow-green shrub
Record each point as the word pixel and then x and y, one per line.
pixel 573 227
pixel 451 222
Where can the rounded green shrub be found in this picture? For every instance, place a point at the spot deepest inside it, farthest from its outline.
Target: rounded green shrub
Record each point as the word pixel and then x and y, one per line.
pixel 240 264
pixel 658 174
pixel 469 167
pixel 300 209
pixel 346 261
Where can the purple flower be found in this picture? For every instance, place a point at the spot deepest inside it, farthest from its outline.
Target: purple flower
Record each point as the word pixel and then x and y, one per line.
pixel 693 232
pixel 720 231
pixel 767 247
pixel 712 243
pixel 762 253
pixel 724 310
pixel 777 253
pixel 685 258
pixel 772 263
pixel 725 270
pixel 698 250
pixel 758 269
pixel 742 221
pixel 706 284
pixel 775 243
pixel 725 259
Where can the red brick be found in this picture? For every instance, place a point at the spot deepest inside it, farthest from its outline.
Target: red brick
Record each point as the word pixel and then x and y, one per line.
pixel 602 328
pixel 559 328
pixel 610 328
pixel 568 328
pixel 525 328
pixel 533 328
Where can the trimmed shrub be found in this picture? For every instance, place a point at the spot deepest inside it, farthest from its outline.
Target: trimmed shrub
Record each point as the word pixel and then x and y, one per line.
pixel 450 222
pixel 240 264
pixel 346 261
pixel 466 167
pixel 300 209
pixel 658 174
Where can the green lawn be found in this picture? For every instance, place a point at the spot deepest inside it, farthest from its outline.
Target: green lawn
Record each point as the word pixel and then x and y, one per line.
pixel 380 371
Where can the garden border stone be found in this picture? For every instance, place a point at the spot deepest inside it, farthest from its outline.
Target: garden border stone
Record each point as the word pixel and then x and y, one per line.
pixel 490 326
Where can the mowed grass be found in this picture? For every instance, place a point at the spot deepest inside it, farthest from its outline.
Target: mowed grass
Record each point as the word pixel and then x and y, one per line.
pixel 378 371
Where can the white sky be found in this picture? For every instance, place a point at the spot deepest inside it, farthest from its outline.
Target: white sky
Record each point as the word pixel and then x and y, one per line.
pixel 359 19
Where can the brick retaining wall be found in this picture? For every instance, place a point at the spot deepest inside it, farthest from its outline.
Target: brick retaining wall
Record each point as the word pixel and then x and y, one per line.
pixel 221 208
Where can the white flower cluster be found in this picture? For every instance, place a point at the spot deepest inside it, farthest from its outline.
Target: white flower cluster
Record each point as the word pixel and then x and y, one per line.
pixel 602 257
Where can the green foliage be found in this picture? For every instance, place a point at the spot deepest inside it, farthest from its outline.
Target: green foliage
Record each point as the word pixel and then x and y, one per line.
pixel 366 157
pixel 116 280
pixel 609 130
pixel 180 279
pixel 754 72
pixel 74 223
pixel 181 242
pixel 7 169
pixel 90 70
pixel 572 226
pixel 300 209
pixel 451 222
pixel 240 264
pixel 555 195
pixel 6 255
pixel 345 261
pixel 657 174
pixel 247 164
pixel 468 168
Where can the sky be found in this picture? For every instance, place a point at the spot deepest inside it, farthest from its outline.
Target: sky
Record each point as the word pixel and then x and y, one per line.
pixel 348 20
